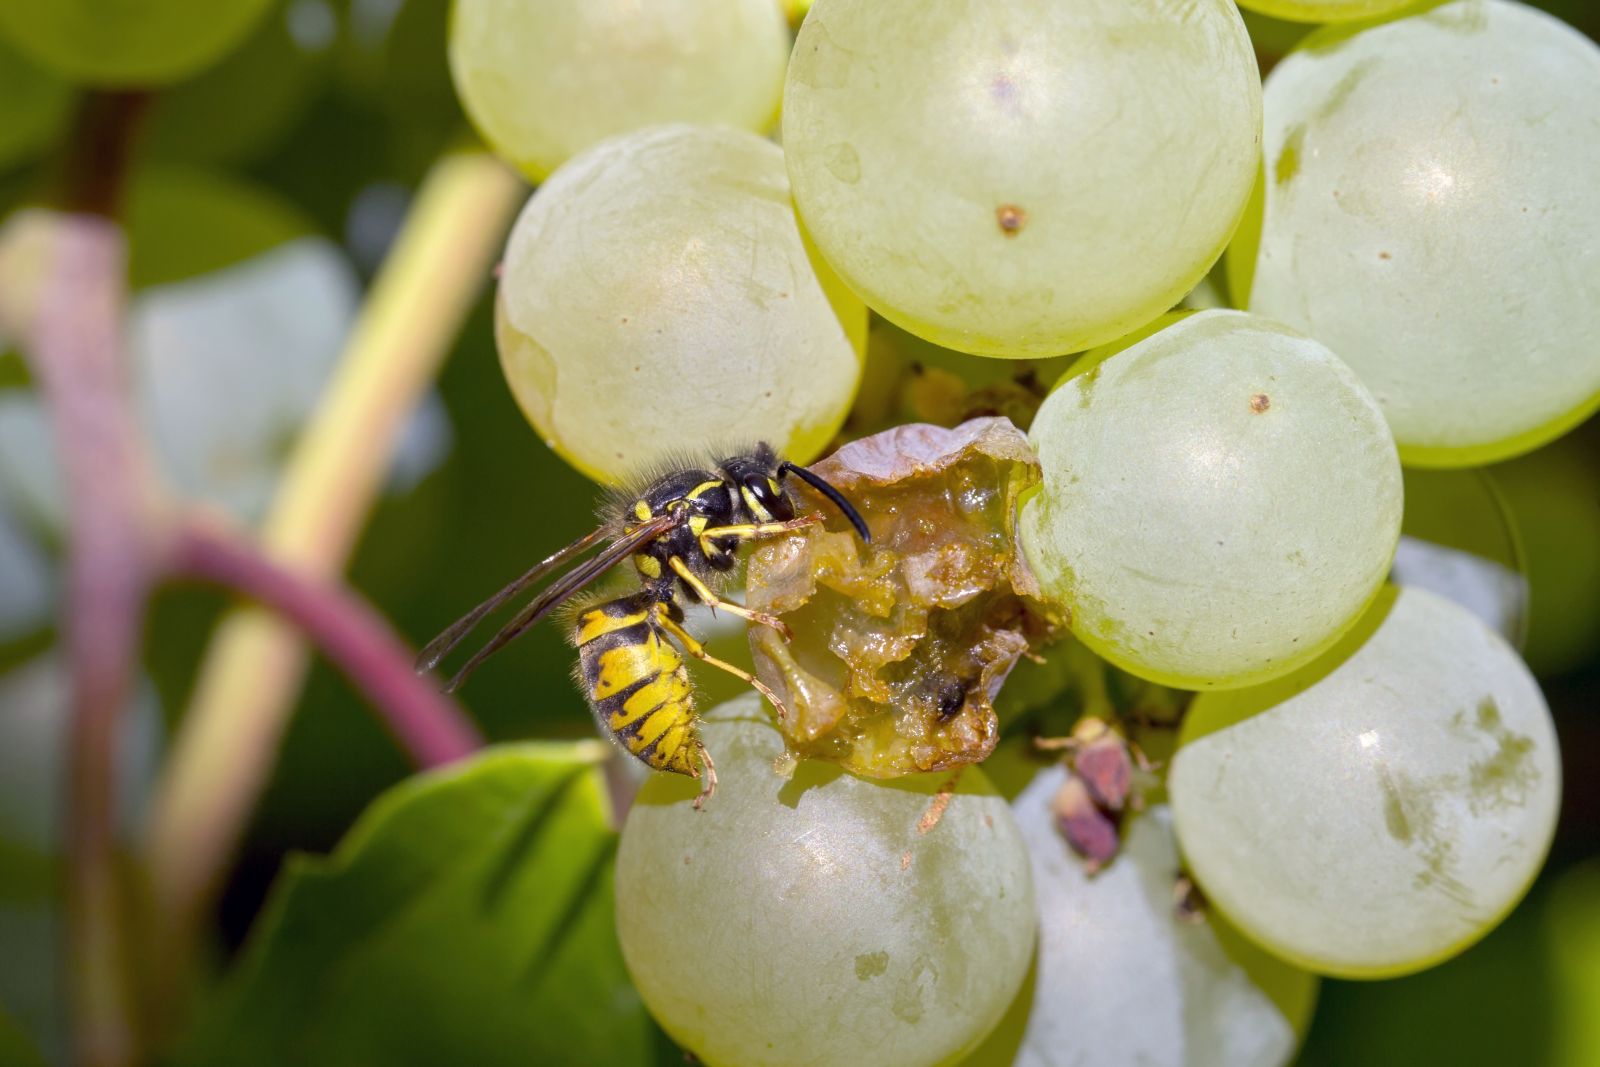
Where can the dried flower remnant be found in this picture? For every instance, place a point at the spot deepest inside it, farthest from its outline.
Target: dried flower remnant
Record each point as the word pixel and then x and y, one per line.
pixel 1101 786
pixel 1092 832
pixel 901 645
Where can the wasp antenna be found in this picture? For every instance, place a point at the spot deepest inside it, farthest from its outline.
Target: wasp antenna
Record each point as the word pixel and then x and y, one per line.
pixel 820 484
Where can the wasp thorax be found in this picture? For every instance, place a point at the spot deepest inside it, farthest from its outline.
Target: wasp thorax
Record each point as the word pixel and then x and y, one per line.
pixel 902 644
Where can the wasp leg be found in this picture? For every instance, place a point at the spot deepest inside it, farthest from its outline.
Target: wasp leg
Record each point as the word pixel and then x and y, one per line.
pixel 710 773
pixel 751 530
pixel 693 646
pixel 713 601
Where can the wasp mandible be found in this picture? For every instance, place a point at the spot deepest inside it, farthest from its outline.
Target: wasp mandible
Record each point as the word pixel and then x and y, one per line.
pixel 682 530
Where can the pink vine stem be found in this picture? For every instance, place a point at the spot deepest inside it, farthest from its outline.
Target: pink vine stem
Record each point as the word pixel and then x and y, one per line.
pixel 353 636
pixel 123 537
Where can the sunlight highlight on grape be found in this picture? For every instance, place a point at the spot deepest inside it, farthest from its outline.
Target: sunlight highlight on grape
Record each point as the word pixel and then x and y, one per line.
pixel 1382 809
pixel 1021 177
pixel 1205 997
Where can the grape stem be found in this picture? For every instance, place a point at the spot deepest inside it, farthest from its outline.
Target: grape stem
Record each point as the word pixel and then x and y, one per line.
pixel 343 626
pixel 256 663
pixel 75 348
pixel 125 535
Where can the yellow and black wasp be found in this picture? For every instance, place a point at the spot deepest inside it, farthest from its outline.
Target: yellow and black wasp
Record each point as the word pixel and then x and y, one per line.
pixel 682 531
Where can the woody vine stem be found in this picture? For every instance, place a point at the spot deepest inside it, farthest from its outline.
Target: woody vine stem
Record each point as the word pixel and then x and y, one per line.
pixel 127 535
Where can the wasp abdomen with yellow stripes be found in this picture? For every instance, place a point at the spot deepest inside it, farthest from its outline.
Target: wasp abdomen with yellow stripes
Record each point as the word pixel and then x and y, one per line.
pixel 634 678
pixel 681 530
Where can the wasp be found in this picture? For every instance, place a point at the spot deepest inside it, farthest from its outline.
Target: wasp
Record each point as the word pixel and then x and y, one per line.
pixel 682 531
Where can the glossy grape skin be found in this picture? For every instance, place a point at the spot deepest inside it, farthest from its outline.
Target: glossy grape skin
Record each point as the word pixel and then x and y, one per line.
pixel 1113 948
pixel 1430 214
pixel 1220 501
pixel 812 920
pixel 1381 810
pixel 1021 178
pixel 545 79
pixel 657 300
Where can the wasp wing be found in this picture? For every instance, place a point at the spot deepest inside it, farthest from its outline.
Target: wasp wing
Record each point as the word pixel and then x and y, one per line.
pixel 445 643
pixel 566 586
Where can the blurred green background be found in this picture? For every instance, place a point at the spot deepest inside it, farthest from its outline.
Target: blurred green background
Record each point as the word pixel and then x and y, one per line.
pixel 321 124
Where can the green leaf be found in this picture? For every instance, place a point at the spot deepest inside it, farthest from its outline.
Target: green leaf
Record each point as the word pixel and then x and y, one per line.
pixel 16 1050
pixel 466 918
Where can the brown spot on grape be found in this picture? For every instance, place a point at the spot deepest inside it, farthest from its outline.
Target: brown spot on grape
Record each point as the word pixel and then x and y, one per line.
pixel 1394 813
pixel 1385 255
pixel 871 964
pixel 1260 402
pixel 1011 219
pixel 1288 161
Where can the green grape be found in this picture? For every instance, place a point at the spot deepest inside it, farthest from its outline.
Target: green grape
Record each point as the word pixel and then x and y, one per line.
pixel 1554 498
pixel 1219 502
pixel 543 81
pixel 657 297
pixel 1325 10
pixel 1429 203
pixel 114 43
pixel 822 918
pixel 1021 177
pixel 34 106
pixel 1205 997
pixel 1382 809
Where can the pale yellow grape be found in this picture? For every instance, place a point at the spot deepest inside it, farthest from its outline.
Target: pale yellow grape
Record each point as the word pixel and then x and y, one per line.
pixel 1219 502
pixel 1325 10
pixel 1381 810
pixel 823 919
pixel 657 298
pixel 1120 979
pixel 1432 214
pixel 1022 177
pixel 545 79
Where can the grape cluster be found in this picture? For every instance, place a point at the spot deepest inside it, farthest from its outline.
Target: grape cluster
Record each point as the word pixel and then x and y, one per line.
pixel 1368 779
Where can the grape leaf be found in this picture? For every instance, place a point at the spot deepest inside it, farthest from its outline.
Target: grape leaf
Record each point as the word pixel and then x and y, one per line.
pixel 466 918
pixel 15 1048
